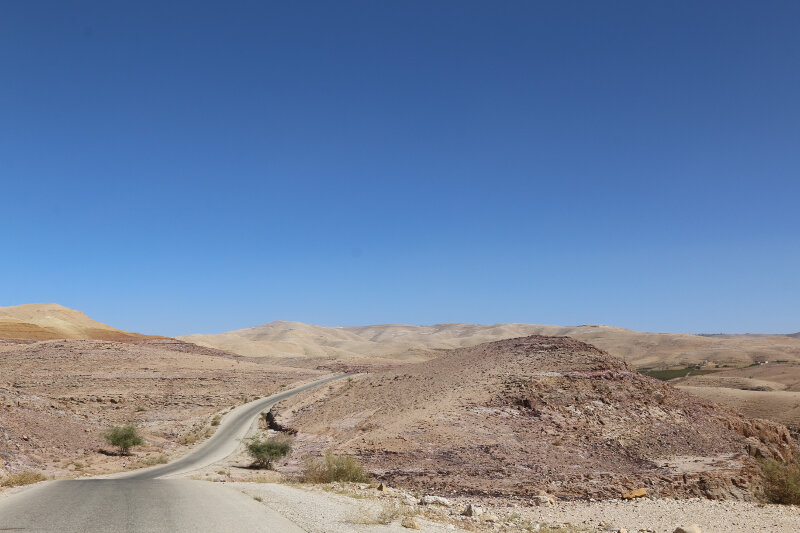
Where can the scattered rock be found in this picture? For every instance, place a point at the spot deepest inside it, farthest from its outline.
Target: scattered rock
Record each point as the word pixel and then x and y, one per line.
pixel 543 499
pixel 638 493
pixel 472 510
pixel 694 528
pixel 435 500
pixel 409 523
pixel 409 499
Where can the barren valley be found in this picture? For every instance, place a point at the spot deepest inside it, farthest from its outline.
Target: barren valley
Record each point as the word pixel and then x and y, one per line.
pixel 494 416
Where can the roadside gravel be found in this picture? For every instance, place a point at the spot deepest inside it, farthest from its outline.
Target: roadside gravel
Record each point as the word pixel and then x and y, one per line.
pixel 324 512
pixel 713 516
pixel 341 508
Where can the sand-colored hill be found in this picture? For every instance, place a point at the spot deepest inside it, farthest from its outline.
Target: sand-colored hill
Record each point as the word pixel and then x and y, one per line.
pixel 52 321
pixel 409 343
pixel 537 413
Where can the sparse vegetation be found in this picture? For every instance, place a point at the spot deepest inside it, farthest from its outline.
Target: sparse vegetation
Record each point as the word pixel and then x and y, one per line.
pixel 196 436
pixel 215 421
pixel 23 478
pixel 124 438
pixel 151 460
pixel 264 452
pixel 666 375
pixel 782 481
pixel 386 514
pixel 334 468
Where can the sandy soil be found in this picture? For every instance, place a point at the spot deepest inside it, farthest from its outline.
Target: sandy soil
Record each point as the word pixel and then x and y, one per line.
pixel 53 321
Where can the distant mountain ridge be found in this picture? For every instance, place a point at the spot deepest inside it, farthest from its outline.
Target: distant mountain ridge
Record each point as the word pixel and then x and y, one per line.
pixel 50 321
pixel 410 343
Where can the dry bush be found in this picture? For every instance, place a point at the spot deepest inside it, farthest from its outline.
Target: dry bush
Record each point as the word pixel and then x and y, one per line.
pixel 123 437
pixel 23 478
pixel 334 468
pixel 196 436
pixel 782 481
pixel 151 460
pixel 383 516
pixel 264 452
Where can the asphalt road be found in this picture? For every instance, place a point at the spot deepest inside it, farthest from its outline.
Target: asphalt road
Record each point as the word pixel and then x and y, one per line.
pixel 151 505
pixel 232 428
pixel 140 502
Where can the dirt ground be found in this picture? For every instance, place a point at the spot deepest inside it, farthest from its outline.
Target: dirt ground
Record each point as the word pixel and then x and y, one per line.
pixel 58 397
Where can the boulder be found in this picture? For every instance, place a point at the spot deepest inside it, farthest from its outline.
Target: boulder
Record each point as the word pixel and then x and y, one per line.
pixel 638 493
pixel 409 523
pixel 435 500
pixel 543 499
pixel 694 528
pixel 472 510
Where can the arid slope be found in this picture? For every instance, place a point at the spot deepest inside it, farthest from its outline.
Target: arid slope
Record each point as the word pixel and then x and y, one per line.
pixel 53 321
pixel 58 397
pixel 537 413
pixel 416 343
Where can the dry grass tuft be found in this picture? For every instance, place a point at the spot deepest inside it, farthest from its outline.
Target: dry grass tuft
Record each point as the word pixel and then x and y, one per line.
pixel 23 478
pixel 782 481
pixel 334 468
pixel 384 515
pixel 196 436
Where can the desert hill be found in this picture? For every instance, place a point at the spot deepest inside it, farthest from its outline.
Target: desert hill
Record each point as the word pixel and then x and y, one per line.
pixel 52 321
pixel 517 416
pixel 58 396
pixel 417 343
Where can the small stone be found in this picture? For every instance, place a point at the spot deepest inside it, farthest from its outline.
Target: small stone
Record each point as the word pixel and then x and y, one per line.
pixel 543 499
pixel 382 487
pixel 435 500
pixel 638 493
pixel 694 528
pixel 409 523
pixel 472 510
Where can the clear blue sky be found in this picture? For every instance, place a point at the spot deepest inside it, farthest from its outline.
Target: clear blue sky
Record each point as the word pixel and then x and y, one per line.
pixel 172 167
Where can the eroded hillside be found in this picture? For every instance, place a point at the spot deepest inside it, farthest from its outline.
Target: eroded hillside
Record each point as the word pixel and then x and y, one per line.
pixel 537 413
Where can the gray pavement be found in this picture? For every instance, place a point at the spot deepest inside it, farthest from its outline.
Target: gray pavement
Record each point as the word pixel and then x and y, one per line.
pixel 116 506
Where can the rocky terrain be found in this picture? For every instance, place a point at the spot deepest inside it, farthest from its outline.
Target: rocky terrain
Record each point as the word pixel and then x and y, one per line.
pixel 57 398
pixel 515 417
pixel 405 343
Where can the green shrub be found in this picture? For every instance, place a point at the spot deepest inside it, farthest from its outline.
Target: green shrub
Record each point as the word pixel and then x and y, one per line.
pixel 781 481
pixel 23 478
pixel 264 452
pixel 334 468
pixel 123 437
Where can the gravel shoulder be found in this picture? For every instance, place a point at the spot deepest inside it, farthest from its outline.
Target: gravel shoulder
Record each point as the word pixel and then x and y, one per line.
pixel 341 508
pixel 317 511
pixel 713 516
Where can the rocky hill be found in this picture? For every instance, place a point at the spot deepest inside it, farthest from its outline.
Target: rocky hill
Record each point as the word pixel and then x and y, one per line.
pixel 53 321
pixel 57 397
pixel 405 343
pixel 517 416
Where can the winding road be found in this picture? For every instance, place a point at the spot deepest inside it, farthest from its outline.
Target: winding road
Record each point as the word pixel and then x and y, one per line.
pixel 142 501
